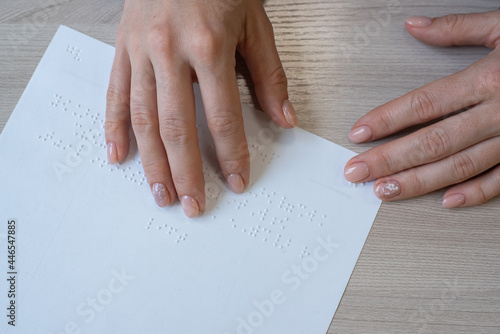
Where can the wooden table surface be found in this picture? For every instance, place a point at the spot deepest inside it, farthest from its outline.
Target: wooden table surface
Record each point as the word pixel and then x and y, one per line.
pixel 424 269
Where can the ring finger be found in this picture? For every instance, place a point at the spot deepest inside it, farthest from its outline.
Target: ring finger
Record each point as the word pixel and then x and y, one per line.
pixel 143 108
pixel 451 170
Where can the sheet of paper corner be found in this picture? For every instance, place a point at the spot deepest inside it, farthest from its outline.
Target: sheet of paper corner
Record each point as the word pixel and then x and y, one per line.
pixel 95 255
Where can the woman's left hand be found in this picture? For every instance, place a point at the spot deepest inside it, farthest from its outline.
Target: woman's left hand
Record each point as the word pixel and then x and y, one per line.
pixel 454 150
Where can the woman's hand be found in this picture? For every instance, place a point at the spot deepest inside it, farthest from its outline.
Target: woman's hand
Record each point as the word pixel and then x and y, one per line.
pixel 163 46
pixel 453 150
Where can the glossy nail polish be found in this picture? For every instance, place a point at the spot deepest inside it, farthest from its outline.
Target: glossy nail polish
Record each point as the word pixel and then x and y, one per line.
pixel 190 206
pixel 357 172
pixel 236 183
pixel 161 194
pixel 289 112
pixel 418 21
pixel 388 189
pixel 360 134
pixel 453 201
pixel 112 153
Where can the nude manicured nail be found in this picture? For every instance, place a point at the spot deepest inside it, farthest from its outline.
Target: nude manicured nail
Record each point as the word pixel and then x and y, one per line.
pixel 236 183
pixel 112 153
pixel 357 172
pixel 161 194
pixel 388 189
pixel 418 21
pixel 190 206
pixel 453 201
pixel 289 112
pixel 360 134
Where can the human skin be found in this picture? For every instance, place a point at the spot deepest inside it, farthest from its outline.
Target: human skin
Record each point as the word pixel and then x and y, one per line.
pixel 454 150
pixel 162 47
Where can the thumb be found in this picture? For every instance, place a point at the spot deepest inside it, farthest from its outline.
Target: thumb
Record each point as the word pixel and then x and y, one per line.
pixel 268 75
pixel 457 29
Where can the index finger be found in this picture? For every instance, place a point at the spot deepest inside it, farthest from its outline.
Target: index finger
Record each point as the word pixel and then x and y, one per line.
pixel 433 100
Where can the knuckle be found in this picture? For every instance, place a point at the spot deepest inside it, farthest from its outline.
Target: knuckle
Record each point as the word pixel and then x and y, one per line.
pixel 417 183
pixel 208 46
pixel 175 130
pixel 385 120
pixel 385 162
pixel 494 34
pixel 187 180
pixel 225 124
pixel 115 95
pixel 423 105
pixel 463 167
pixel 160 40
pixel 454 21
pixel 152 167
pixel 277 76
pixel 113 127
pixel 234 165
pixel 489 81
pixel 435 144
pixel 142 120
pixel 479 194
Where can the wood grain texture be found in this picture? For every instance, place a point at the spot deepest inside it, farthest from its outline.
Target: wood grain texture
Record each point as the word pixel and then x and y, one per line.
pixel 424 269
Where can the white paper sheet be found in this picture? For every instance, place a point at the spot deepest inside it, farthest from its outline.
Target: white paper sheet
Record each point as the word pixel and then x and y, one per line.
pixel 94 254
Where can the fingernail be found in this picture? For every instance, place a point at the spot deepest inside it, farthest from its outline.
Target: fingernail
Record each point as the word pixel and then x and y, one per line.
pixel 236 183
pixel 357 172
pixel 289 112
pixel 190 206
pixel 161 195
pixel 360 134
pixel 388 189
pixel 418 21
pixel 453 201
pixel 112 153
